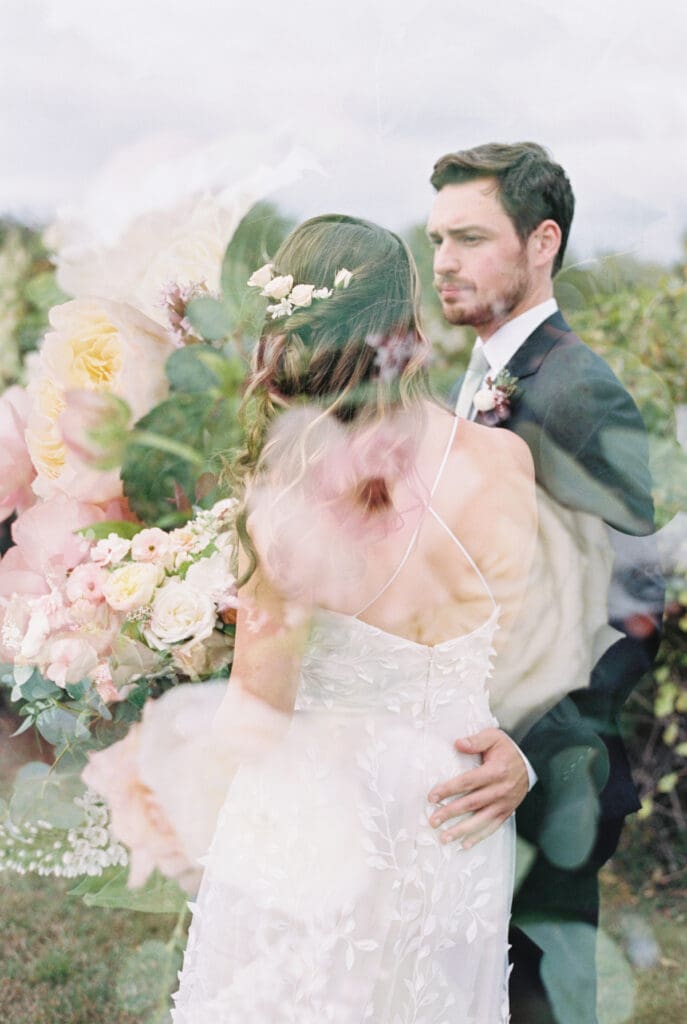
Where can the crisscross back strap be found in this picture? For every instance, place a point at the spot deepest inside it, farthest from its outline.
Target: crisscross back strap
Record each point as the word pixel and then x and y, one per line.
pixel 467 556
pixel 416 532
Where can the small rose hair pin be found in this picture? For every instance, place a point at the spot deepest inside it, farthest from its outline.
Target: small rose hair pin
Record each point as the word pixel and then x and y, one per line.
pixel 493 400
pixel 289 296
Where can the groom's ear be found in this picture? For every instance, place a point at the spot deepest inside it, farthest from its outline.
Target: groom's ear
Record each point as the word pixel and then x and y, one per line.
pixel 544 243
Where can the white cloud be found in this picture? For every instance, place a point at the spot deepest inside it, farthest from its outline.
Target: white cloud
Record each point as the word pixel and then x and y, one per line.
pixel 377 89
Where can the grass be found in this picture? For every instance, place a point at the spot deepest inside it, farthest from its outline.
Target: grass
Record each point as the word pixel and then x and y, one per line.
pixel 59 960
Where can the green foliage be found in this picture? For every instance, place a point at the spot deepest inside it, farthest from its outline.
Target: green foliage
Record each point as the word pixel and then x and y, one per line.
pixel 158 895
pixel 42 794
pixel 147 978
pixel 176 452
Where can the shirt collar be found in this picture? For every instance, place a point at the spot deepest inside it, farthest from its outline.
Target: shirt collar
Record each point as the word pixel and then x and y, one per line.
pixel 504 343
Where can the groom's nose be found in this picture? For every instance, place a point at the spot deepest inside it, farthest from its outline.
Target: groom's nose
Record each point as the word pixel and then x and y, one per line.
pixel 446 259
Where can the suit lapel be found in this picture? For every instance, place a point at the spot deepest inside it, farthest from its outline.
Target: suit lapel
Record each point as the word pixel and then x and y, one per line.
pixel 535 349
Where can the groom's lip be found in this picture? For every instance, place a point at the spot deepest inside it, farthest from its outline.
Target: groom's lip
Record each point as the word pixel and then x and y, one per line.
pixel 449 290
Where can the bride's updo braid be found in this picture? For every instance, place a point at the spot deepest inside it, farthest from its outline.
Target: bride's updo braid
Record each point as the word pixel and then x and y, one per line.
pixel 355 354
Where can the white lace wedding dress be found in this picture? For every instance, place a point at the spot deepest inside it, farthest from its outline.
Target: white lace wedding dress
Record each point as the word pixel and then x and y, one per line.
pixel 327 896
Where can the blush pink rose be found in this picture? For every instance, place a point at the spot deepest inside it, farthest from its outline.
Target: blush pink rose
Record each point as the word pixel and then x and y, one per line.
pixel 86 583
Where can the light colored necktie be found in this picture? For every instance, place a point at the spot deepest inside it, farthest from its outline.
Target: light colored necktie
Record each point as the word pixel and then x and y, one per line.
pixel 477 368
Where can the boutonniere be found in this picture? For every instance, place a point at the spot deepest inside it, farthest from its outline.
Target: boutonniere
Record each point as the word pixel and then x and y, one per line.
pixel 493 400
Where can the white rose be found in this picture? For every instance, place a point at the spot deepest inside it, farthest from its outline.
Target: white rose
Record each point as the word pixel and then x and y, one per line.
pixel 484 400
pixel 302 294
pixel 131 586
pixel 261 277
pixel 278 287
pixel 343 278
pixel 180 612
pixel 213 577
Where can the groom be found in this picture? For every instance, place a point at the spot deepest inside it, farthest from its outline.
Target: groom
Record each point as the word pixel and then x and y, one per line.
pixel 499 226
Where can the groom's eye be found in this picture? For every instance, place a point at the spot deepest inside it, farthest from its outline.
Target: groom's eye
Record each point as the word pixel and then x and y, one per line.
pixel 472 239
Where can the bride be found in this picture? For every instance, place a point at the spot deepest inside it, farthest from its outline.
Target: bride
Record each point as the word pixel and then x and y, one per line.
pixel 384 544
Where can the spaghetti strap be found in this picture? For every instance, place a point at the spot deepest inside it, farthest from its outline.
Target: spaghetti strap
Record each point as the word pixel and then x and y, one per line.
pixel 416 531
pixel 466 554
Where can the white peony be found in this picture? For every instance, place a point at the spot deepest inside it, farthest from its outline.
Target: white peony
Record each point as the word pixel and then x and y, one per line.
pixel 302 294
pixel 131 586
pixel 278 287
pixel 484 400
pixel 259 278
pixel 180 612
pixel 163 210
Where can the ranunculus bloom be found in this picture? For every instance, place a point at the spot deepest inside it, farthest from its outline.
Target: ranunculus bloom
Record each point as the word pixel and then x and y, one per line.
pixel 180 612
pixel 131 585
pixel 152 545
pixel 278 287
pixel 16 469
pixel 86 583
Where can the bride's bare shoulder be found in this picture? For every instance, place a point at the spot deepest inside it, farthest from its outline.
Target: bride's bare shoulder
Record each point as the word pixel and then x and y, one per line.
pixel 501 447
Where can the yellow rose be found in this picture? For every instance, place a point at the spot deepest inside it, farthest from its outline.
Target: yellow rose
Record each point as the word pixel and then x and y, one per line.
pixel 132 585
pixel 106 346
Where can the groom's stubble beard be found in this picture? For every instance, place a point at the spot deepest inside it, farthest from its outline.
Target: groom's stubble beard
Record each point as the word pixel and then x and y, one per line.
pixel 497 307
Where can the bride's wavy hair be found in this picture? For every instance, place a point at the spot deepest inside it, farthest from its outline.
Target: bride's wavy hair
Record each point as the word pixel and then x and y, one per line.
pixel 356 355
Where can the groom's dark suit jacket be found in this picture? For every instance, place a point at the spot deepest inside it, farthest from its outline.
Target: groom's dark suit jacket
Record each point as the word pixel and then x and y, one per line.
pixel 590 452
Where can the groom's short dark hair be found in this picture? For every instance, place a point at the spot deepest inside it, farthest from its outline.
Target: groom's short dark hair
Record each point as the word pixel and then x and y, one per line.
pixel 531 187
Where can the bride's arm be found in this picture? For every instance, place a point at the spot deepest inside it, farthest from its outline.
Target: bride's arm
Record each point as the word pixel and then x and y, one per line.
pixel 271 631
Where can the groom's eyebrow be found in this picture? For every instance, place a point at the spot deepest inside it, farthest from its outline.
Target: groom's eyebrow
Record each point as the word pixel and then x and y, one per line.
pixel 468 229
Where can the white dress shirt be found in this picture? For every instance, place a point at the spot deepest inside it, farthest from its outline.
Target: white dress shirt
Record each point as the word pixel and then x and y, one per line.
pixel 504 343
pixel 499 350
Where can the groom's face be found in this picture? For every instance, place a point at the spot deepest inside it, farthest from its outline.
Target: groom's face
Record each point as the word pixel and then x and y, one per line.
pixel 481 269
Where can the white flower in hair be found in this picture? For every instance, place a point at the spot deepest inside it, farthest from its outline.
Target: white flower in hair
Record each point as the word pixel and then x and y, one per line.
pixel 278 287
pixel 322 293
pixel 283 308
pixel 302 294
pixel 343 278
pixel 261 277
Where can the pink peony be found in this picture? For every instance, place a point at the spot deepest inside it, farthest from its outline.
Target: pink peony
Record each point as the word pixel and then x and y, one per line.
pixel 16 469
pixel 47 546
pixel 136 817
pixel 71 659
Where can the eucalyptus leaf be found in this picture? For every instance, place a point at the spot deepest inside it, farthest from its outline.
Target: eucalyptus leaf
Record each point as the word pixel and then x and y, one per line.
pixel 57 725
pixel 188 372
pixel 158 895
pixel 212 319
pixel 44 795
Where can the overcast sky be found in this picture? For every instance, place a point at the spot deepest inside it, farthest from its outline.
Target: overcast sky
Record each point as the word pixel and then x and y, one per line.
pixel 375 89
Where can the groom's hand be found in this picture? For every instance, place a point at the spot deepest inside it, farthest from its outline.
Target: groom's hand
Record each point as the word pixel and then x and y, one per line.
pixel 488 794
